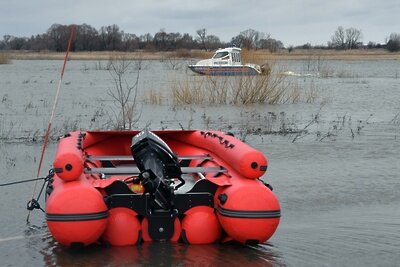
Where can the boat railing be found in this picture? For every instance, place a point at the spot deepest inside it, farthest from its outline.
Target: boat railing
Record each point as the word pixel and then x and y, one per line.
pixel 132 169
pixel 130 158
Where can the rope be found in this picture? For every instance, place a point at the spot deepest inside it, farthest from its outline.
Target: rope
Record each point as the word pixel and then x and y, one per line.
pixel 34 203
pixel 23 181
pixel 46 137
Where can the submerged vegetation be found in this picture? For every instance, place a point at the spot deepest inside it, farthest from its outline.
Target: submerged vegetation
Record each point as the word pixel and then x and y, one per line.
pixel 244 105
pixel 244 90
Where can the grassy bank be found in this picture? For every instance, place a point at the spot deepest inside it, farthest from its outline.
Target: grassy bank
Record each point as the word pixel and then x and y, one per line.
pixel 4 58
pixel 249 56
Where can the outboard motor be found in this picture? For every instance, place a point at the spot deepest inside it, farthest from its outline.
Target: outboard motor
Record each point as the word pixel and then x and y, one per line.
pixel 159 173
pixel 158 167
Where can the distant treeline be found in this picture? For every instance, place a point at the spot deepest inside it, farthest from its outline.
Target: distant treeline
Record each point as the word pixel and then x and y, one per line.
pixel 112 38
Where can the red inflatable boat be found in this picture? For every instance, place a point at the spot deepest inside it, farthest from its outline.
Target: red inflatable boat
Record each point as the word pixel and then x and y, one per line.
pixel 124 187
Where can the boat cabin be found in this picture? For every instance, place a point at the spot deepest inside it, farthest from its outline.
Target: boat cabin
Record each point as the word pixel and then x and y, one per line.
pixel 227 56
pixel 226 61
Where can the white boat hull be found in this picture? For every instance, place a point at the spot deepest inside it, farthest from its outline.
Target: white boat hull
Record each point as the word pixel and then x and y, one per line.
pixel 236 70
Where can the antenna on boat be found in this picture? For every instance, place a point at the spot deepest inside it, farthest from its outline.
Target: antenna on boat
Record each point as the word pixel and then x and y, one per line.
pixel 46 137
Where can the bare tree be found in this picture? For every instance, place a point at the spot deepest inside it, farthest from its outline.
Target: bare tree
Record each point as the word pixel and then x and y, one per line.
pixel 6 41
pixel 146 41
pixel 201 33
pixel 212 42
pixel 160 40
pixel 172 39
pixel 271 44
pixel 86 37
pixel 111 37
pixel 346 38
pixel 250 38
pixel 58 34
pixel 130 42
pixel 393 44
pixel 124 94
pixel 353 37
pixel 186 41
pixel 338 38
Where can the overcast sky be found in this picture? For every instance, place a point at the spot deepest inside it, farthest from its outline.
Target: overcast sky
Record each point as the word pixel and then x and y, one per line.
pixel 294 22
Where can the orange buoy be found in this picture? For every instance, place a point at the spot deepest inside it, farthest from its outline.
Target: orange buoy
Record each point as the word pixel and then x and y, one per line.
pixel 248 211
pixel 123 227
pixel 76 213
pixel 201 226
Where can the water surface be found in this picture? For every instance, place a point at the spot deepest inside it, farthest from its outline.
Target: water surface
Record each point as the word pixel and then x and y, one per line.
pixel 338 181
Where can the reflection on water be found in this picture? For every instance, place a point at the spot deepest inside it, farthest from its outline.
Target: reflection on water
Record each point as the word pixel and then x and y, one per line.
pixel 161 254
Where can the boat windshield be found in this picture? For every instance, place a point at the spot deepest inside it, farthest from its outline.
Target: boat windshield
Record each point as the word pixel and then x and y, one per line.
pixel 221 55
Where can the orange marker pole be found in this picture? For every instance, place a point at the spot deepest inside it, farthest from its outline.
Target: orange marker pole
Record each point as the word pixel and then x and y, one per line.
pixel 46 137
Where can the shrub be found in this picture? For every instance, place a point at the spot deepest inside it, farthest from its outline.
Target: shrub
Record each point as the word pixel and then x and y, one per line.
pixel 243 90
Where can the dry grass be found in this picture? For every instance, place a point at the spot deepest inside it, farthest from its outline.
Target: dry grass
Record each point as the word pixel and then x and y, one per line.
pixel 325 54
pixel 201 54
pixel 181 53
pixel 252 56
pixel 188 92
pixel 243 90
pixel 4 58
pixel 154 97
pixel 107 55
pixel 256 56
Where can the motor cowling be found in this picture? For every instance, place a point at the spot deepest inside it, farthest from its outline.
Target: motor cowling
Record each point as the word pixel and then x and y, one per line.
pixel 158 166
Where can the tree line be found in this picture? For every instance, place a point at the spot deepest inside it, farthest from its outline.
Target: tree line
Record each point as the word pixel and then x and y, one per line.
pixel 350 38
pixel 112 38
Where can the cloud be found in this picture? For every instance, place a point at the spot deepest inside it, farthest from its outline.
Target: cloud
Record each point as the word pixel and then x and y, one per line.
pixel 291 21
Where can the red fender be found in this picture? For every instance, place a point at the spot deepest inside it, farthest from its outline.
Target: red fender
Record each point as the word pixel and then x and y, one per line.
pixel 249 162
pixel 69 157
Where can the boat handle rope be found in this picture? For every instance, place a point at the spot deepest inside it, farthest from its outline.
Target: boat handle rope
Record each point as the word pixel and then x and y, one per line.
pixel 222 141
pixel 23 181
pixel 34 203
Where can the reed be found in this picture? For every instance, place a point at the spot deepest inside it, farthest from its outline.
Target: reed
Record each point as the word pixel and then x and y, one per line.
pixel 154 97
pixel 187 92
pixel 344 74
pixel 201 54
pixel 4 58
pixel 243 90
pixel 256 56
pixel 182 53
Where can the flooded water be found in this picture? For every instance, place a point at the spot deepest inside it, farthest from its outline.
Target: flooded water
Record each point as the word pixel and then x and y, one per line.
pixel 334 163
